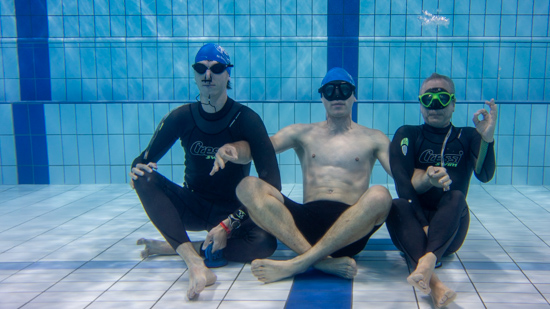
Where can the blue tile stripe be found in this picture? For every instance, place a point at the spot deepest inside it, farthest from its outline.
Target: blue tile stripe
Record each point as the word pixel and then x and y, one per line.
pixel 35 85
pixel 315 289
pixel 343 38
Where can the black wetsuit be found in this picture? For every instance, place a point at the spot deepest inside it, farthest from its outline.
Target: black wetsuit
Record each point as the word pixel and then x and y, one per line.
pixel 446 213
pixel 204 200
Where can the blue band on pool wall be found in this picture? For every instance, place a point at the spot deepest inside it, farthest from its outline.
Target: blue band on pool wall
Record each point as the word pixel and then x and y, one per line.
pixel 343 39
pixel 35 84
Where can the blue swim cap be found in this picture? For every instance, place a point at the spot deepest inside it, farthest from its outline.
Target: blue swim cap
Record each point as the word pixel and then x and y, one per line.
pixel 337 74
pixel 213 52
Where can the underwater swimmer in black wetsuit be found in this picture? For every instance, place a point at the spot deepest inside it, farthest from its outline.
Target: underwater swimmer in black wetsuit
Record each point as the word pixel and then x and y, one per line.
pixel 206 202
pixel 431 217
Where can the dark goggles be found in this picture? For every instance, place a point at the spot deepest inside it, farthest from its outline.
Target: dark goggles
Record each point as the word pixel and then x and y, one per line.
pixel 330 92
pixel 436 98
pixel 216 68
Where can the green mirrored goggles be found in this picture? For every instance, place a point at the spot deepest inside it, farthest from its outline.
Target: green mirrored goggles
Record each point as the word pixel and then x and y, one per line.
pixel 436 100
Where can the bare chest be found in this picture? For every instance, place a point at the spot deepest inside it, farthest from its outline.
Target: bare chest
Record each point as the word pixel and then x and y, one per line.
pixel 342 151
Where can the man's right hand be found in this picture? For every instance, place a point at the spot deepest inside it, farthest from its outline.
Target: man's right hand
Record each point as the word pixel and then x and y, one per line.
pixel 438 177
pixel 237 152
pixel 226 153
pixel 140 170
pixel 217 236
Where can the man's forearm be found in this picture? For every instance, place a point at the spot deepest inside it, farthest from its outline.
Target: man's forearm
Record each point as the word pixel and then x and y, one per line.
pixel 481 156
pixel 243 152
pixel 420 181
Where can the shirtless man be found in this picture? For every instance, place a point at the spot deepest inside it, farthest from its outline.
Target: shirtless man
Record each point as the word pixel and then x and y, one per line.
pixel 340 211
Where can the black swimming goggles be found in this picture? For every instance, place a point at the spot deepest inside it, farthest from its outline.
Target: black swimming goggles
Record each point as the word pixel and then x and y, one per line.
pixel 436 98
pixel 345 90
pixel 216 68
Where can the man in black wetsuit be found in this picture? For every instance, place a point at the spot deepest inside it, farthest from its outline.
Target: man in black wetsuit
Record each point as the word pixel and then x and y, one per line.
pixel 432 165
pixel 206 202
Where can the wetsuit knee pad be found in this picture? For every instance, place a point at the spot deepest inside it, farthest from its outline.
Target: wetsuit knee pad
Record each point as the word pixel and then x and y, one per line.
pixel 399 207
pixel 249 245
pixel 456 195
pixel 265 243
pixel 399 204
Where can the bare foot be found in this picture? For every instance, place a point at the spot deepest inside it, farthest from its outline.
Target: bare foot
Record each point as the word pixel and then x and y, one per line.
pixel 344 267
pixel 270 270
pixel 441 295
pixel 421 276
pixel 199 278
pixel 155 247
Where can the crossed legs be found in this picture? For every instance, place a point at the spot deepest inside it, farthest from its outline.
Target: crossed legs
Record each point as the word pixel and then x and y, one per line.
pixel 199 275
pixel 447 230
pixel 266 207
pixel 174 210
pixel 152 190
pixel 440 293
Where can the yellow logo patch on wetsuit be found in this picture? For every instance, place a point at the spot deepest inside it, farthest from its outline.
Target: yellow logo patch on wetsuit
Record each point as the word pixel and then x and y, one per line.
pixel 404 145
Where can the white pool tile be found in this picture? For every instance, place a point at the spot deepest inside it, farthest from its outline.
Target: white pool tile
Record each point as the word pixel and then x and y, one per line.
pixel 123 304
pixel 60 304
pixel 130 296
pixel 252 304
pixel 195 304
pixel 522 298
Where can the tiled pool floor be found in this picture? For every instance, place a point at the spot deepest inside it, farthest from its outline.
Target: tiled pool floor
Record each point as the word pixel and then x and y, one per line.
pixel 75 247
